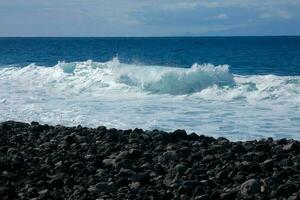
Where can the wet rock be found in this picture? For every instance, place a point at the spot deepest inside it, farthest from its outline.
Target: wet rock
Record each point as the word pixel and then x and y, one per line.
pixel 109 162
pixel 202 197
pixel 159 169
pixel 143 178
pixel 292 146
pixel 208 158
pixel 7 192
pixel 196 172
pixel 196 156
pixel 126 173
pixel 179 169
pixel 262 147
pixel 168 196
pixel 187 187
pixel 43 192
pixel 57 180
pixel 179 134
pixel 121 182
pixel 122 155
pixel 134 153
pixel 267 164
pixel 222 174
pixel 250 187
pixel 55 162
pixel 287 189
pixel 105 187
pixel 13 124
pixel 126 163
pixel 228 195
pixel 170 156
pixel 222 140
pixel 193 136
pixel 69 139
pixel 135 185
pixel 32 192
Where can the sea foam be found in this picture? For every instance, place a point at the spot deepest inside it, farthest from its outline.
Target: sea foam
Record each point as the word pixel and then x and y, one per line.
pixel 204 98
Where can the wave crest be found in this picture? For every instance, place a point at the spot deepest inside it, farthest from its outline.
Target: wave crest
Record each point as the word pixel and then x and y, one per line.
pixel 91 75
pixel 177 81
pixel 206 81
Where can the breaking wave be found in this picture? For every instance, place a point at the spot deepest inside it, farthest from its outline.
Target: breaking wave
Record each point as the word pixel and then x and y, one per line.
pixel 112 74
pixel 206 81
pixel 206 99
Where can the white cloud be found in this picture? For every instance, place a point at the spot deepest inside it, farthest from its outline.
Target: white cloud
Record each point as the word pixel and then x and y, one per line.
pixel 221 16
pixel 265 16
pixel 179 6
pixel 281 14
pixel 285 14
pixel 130 17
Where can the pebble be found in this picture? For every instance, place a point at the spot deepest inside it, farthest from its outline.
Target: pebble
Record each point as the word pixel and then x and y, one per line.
pixel 56 162
pixel 250 187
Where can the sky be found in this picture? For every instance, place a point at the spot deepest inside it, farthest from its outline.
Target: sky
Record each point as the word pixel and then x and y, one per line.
pixel 149 17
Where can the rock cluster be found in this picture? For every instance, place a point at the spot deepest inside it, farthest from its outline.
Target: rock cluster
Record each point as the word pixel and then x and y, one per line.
pixel 56 162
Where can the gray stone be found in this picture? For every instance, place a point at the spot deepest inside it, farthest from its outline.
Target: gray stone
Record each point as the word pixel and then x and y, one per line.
pixel 109 162
pixel 293 145
pixel 126 173
pixel 170 155
pixel 250 187
pixel 105 187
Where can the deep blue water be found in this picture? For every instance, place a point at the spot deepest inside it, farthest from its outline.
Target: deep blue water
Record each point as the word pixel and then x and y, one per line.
pixel 245 55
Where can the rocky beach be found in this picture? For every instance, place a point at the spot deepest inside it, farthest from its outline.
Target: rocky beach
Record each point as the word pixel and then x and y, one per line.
pixel 56 162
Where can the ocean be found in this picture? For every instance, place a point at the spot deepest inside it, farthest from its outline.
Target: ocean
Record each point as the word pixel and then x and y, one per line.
pixel 236 87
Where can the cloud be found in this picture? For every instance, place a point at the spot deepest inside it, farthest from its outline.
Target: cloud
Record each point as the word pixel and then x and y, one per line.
pixel 285 14
pixel 265 15
pixel 282 14
pixel 180 6
pixel 144 17
pixel 221 16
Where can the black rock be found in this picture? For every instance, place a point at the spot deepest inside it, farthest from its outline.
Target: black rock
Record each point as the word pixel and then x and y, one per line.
pixel 121 182
pixel 202 197
pixel 179 134
pixel 13 124
pixel 170 156
pixel 57 181
pixel 187 187
pixel 143 178
pixel 105 187
pixel 292 146
pixel 250 187
pixel 168 196
pixel 126 173
pixel 287 189
pixel 193 136
pixel 267 165
pixel 134 153
pixel 158 168
pixel 56 162
pixel 228 195
pixel 196 156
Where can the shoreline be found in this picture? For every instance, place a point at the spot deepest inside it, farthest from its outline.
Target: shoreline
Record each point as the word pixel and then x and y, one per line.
pixel 56 162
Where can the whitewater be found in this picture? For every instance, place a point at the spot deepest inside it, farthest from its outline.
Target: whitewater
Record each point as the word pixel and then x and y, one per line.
pixel 204 98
